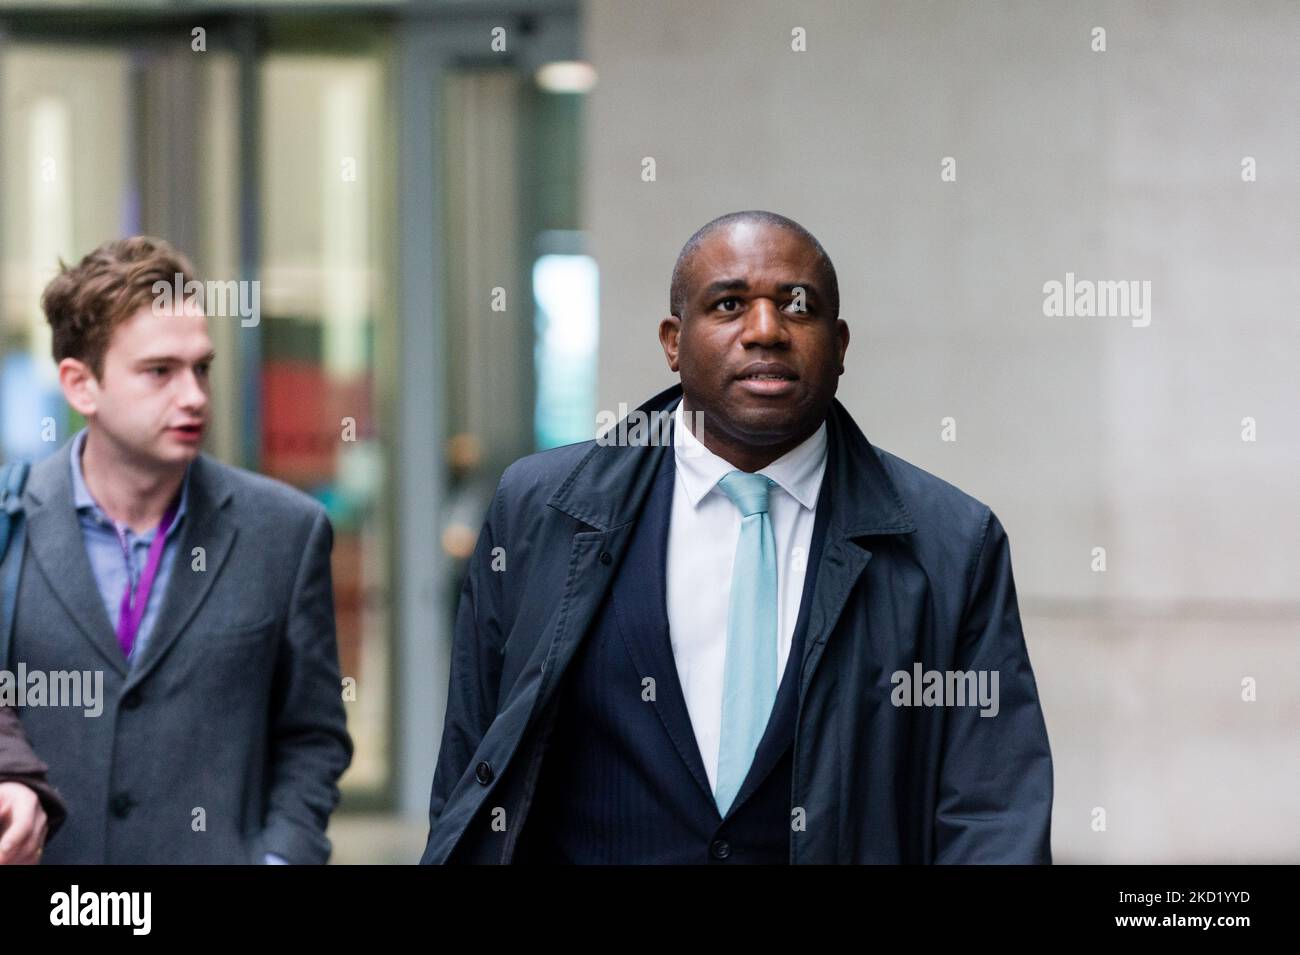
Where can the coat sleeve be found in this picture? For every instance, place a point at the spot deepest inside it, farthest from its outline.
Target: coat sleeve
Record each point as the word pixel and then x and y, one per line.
pixel 18 764
pixel 476 661
pixel 995 783
pixel 309 742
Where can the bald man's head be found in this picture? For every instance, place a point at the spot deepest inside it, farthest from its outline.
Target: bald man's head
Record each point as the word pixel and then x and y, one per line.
pixel 755 335
pixel 679 290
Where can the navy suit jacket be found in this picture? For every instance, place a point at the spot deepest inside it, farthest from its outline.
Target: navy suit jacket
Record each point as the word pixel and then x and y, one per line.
pixel 624 780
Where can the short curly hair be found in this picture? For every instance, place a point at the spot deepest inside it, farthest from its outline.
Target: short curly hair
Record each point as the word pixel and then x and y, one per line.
pixel 86 302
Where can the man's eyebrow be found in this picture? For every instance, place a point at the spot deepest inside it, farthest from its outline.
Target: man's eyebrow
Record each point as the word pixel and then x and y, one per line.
pixel 725 285
pixel 172 359
pixel 806 286
pixel 740 285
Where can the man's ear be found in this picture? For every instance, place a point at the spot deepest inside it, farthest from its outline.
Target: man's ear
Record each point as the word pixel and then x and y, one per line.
pixel 80 387
pixel 842 332
pixel 670 330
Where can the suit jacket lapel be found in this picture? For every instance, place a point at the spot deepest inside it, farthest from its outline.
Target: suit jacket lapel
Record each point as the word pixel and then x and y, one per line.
pixel 641 611
pixel 207 525
pixel 605 491
pixel 56 541
pixel 59 548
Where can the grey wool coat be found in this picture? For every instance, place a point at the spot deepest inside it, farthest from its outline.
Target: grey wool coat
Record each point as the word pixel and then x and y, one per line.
pixel 226 739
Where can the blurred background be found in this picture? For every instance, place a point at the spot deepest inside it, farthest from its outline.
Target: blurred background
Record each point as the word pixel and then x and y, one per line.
pixel 463 215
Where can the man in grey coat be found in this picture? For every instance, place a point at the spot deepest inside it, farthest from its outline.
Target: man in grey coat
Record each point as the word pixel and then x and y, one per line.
pixel 173 643
pixel 733 631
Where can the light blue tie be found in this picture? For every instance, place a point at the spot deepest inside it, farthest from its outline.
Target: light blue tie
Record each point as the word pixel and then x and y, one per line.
pixel 749 675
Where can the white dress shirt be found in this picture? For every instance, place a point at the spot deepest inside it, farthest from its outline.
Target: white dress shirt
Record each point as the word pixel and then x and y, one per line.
pixel 702 536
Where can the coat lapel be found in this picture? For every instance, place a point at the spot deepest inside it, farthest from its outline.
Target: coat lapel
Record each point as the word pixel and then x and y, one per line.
pixel 607 488
pixel 864 503
pixel 207 525
pixel 604 492
pixel 59 549
pixel 55 538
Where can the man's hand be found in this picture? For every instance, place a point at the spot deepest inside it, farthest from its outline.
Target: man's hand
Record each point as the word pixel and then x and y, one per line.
pixel 22 825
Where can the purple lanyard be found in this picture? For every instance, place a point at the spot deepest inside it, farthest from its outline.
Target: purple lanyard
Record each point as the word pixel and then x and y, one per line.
pixel 134 604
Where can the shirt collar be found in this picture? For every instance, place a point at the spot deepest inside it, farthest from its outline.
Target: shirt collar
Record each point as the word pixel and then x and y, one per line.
pixel 798 472
pixel 83 500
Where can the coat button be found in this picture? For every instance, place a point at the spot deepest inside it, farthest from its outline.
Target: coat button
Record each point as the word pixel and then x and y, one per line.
pixel 483 773
pixel 606 558
pixel 131 700
pixel 121 805
pixel 720 849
